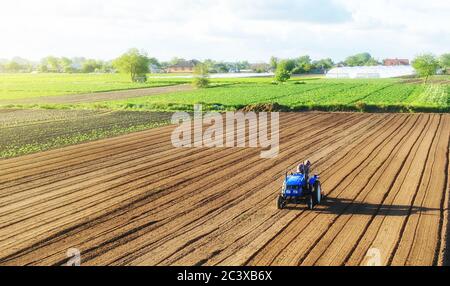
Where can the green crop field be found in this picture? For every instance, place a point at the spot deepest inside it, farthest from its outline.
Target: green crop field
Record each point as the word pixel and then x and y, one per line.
pixel 19 86
pixel 32 128
pixel 312 93
pixel 319 94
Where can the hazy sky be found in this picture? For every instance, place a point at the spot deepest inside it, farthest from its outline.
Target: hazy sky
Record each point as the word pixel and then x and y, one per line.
pixel 224 29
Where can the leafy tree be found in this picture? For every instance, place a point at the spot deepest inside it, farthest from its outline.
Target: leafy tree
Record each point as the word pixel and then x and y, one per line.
pixel 154 61
pixel 164 64
pixel 283 71
pixel 303 60
pixel 372 62
pixel 444 62
pixel 233 67
pixel 273 63
pixel 90 66
pixel 13 67
pixel 210 63
pixel 43 67
pixel 201 76
pixel 134 63
pixel 176 60
pixel 341 64
pixel 106 67
pixel 66 65
pixel 244 65
pixel 426 65
pixel 289 65
pixel 302 65
pixel 362 59
pixel 77 63
pixel 221 68
pixel 324 64
pixel 25 65
pixel 51 63
pixel 29 67
pixel 217 67
pixel 260 67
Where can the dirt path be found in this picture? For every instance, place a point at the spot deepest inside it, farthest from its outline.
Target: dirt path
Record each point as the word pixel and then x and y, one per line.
pixel 100 96
pixel 135 200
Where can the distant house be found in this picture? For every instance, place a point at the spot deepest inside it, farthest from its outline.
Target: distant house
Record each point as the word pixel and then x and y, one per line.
pixel 396 62
pixel 155 69
pixel 260 67
pixel 183 67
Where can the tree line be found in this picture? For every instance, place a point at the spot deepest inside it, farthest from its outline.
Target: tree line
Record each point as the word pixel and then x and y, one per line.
pixel 52 64
pixel 425 65
pixel 137 64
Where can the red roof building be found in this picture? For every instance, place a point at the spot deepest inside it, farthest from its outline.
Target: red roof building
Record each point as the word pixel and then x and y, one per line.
pixel 183 67
pixel 396 62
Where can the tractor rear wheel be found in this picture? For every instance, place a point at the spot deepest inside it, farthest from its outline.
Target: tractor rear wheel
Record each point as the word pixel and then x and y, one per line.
pixel 317 193
pixel 281 203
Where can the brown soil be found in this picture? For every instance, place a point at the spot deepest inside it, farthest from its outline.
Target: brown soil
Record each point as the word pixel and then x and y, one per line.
pixel 136 200
pixel 263 107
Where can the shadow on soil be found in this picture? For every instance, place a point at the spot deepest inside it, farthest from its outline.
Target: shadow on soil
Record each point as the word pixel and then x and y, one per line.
pixel 338 206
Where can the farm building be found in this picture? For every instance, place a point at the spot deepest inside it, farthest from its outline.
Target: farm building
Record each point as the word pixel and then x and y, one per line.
pixel 396 62
pixel 183 67
pixel 371 72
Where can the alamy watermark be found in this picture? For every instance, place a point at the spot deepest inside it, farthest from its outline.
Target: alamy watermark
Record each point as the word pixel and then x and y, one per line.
pixel 373 257
pixel 215 130
pixel 74 256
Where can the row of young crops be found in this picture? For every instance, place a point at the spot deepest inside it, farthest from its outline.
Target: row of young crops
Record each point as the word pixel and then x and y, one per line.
pixel 29 131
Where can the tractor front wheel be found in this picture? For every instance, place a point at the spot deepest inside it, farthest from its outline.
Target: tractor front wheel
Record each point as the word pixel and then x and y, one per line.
pixel 281 203
pixel 310 202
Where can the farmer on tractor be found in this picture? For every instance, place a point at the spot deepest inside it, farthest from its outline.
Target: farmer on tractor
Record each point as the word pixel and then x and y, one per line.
pixel 304 168
pixel 300 187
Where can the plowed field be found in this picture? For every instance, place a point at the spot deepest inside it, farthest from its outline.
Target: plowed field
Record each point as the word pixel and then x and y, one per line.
pixel 136 200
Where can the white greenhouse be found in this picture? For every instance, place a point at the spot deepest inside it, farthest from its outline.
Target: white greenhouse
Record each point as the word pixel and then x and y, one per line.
pixel 371 72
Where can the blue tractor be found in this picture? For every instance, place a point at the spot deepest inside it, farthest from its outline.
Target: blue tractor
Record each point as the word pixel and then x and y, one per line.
pixel 300 187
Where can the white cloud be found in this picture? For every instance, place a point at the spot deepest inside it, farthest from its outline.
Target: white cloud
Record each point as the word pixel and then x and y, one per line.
pixel 223 29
